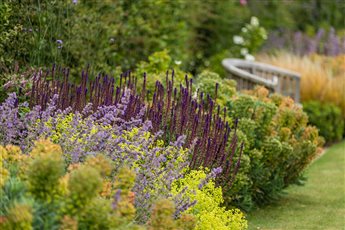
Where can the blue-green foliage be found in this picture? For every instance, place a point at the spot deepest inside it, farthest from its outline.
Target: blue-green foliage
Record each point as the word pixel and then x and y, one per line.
pixel 278 146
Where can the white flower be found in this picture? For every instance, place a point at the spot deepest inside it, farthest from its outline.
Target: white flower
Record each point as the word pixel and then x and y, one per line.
pixel 195 95
pixel 249 57
pixel 244 51
pixel 244 30
pixel 254 21
pixel 238 40
pixel 177 62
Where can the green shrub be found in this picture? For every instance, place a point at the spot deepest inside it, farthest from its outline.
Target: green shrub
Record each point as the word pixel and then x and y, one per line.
pixel 278 146
pixel 208 81
pixel 155 68
pixel 113 33
pixel 212 24
pixel 104 34
pixel 327 118
pixel 249 40
pixel 11 37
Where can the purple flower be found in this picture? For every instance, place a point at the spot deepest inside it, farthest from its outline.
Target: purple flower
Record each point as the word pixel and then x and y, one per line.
pixel 59 43
pixel 211 176
pixel 117 197
pixel 302 44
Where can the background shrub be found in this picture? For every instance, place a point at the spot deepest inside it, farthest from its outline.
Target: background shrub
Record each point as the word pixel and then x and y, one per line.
pixel 327 118
pixel 104 34
pixel 112 33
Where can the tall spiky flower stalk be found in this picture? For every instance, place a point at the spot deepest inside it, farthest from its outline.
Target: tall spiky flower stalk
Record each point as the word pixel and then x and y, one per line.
pixel 171 110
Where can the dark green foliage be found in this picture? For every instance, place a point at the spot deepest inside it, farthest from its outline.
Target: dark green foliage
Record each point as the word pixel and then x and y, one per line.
pixel 299 14
pixel 11 37
pixel 213 24
pixel 327 118
pixel 101 33
pixel 314 14
pixel 279 15
pixel 107 34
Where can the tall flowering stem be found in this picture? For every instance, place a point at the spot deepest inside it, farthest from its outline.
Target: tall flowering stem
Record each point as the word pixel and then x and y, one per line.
pixel 172 110
pixel 99 92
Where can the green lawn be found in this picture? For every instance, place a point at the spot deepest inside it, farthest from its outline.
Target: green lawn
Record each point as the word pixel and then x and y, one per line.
pixel 319 204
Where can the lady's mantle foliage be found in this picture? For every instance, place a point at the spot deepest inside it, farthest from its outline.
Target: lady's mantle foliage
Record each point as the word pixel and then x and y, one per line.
pixel 208 209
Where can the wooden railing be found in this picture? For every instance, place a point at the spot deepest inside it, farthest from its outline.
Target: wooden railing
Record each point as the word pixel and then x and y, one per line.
pixel 247 74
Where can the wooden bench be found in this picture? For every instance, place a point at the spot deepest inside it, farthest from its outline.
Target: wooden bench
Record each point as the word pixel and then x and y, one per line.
pixel 247 74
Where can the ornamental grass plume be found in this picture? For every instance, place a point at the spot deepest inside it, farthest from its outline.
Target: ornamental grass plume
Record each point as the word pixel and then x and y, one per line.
pixel 322 77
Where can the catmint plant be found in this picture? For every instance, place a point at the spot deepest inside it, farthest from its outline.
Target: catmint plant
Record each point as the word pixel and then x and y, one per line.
pixel 173 110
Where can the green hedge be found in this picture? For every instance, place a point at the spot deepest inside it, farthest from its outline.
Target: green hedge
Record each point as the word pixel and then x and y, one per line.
pixel 122 33
pixel 327 118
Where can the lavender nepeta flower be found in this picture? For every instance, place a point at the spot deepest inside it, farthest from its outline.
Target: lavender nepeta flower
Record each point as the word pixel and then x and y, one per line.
pixel 59 43
pixel 302 44
pixel 212 175
pixel 117 197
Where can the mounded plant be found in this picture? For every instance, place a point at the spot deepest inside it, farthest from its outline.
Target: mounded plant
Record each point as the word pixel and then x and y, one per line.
pixel 279 145
pixel 44 192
